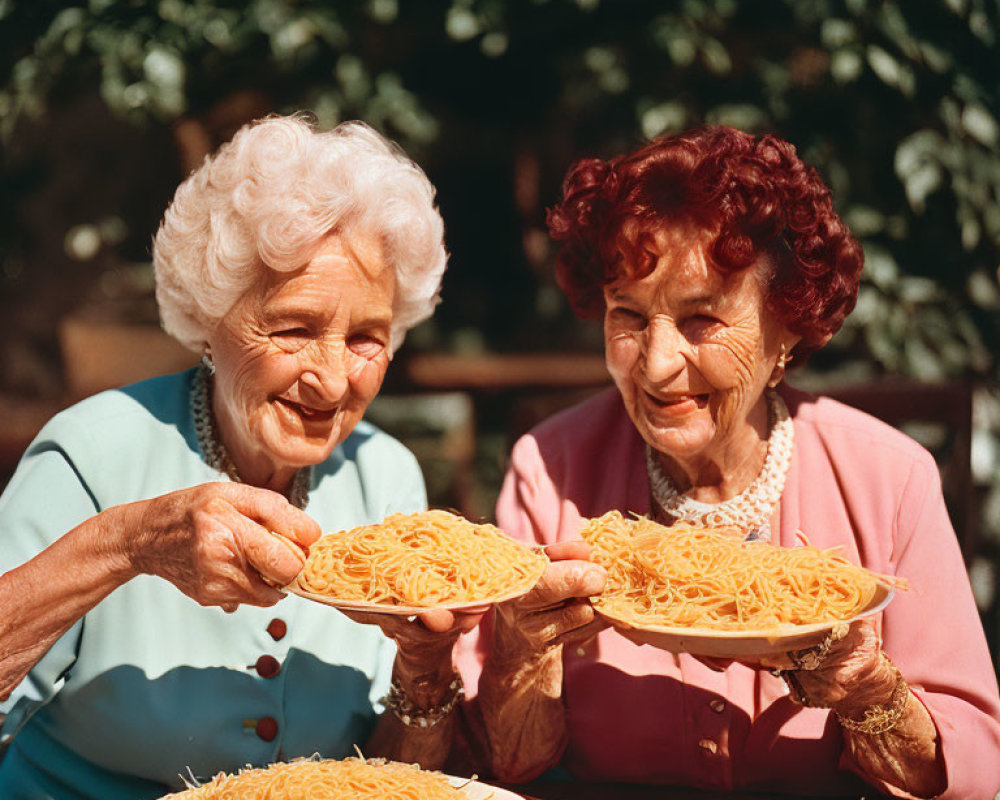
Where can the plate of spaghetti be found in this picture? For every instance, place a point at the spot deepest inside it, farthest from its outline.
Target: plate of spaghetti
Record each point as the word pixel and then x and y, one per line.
pixel 411 563
pixel 347 779
pixel 708 592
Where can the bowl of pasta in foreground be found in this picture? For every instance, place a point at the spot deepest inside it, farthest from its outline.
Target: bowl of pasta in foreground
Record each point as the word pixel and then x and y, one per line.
pixel 345 779
pixel 740 643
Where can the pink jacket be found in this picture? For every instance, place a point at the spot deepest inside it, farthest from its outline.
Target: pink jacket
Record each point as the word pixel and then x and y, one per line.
pixel 638 714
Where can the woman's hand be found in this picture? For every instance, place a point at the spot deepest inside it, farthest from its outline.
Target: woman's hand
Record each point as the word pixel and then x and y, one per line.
pixel 424 658
pixel 214 542
pixel 425 674
pixel 520 689
pixel 847 672
pixel 557 610
pixel 853 676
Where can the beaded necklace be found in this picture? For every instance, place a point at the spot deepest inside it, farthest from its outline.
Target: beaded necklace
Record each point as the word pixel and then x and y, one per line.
pixel 751 509
pixel 215 453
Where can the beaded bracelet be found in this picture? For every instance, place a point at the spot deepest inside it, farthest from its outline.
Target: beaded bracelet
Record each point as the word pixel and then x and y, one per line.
pixel 412 715
pixel 881 718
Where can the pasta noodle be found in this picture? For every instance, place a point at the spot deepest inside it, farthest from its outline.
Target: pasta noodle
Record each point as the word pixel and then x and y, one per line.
pixel 421 560
pixel 685 576
pixel 314 779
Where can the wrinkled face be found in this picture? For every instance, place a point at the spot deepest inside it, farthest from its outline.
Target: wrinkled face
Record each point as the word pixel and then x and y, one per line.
pixel 690 349
pixel 301 355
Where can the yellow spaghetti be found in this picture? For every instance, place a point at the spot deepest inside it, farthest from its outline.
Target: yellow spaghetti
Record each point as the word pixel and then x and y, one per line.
pixel 685 576
pixel 312 779
pixel 422 560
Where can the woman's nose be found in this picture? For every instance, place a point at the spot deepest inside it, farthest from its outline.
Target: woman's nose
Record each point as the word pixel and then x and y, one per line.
pixel 324 382
pixel 663 351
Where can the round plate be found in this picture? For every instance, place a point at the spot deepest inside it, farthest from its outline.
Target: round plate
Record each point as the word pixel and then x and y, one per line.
pixel 737 644
pixel 475 790
pixel 402 611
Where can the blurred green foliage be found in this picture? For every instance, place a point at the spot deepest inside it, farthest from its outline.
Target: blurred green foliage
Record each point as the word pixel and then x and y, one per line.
pixel 155 61
pixel 896 103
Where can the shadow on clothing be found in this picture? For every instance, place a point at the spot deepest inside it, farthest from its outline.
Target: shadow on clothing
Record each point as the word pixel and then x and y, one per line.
pixel 624 726
pixel 171 728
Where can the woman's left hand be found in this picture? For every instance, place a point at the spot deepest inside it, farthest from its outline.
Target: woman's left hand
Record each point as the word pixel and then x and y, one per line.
pixel 853 677
pixel 847 673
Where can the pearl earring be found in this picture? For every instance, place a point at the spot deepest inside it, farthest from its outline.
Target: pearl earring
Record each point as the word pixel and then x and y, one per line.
pixel 206 360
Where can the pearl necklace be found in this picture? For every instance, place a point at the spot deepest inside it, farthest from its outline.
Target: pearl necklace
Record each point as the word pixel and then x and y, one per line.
pixel 751 509
pixel 215 453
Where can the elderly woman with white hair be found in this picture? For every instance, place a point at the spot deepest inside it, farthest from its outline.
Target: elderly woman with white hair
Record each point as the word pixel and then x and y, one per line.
pixel 140 648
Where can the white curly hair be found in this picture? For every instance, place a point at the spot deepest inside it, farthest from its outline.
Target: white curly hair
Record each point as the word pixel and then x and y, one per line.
pixel 267 198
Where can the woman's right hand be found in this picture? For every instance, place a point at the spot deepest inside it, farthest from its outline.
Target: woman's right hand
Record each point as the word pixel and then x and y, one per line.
pixel 557 610
pixel 214 542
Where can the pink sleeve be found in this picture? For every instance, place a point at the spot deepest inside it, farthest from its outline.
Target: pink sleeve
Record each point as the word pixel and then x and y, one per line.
pixel 528 506
pixel 934 635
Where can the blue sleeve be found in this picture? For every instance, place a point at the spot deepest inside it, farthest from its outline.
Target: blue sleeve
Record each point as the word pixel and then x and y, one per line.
pixel 45 498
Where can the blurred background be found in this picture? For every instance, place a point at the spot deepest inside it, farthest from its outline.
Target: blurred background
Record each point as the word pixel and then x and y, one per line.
pixel 106 105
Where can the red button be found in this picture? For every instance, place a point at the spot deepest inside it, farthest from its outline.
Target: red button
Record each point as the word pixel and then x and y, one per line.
pixel 277 628
pixel 267 666
pixel 267 728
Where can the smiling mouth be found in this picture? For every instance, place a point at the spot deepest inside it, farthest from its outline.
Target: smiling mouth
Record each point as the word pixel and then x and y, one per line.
pixel 307 413
pixel 677 402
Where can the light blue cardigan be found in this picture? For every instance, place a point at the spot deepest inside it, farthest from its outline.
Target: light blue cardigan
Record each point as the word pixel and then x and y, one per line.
pixel 150 686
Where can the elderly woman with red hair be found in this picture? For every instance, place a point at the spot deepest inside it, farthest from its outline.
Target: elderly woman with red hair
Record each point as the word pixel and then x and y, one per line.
pixel 716 259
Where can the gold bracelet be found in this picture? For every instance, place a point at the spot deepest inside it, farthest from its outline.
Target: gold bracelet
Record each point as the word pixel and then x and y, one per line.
pixel 881 718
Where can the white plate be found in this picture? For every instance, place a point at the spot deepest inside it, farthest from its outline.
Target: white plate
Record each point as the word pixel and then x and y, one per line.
pixel 402 611
pixel 737 644
pixel 475 790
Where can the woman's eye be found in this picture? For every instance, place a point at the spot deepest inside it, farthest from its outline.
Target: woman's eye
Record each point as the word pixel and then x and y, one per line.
pixel 365 346
pixel 702 325
pixel 627 318
pixel 291 338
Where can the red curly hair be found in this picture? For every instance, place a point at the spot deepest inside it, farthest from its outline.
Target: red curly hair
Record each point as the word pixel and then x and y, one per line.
pixel 755 191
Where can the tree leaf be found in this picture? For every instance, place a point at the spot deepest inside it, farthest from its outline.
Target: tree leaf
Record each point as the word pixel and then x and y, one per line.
pixel 980 124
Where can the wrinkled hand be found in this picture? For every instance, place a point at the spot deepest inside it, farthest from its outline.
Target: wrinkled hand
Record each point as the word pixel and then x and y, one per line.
pixel 557 610
pixel 214 542
pixel 852 674
pixel 521 686
pixel 424 666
